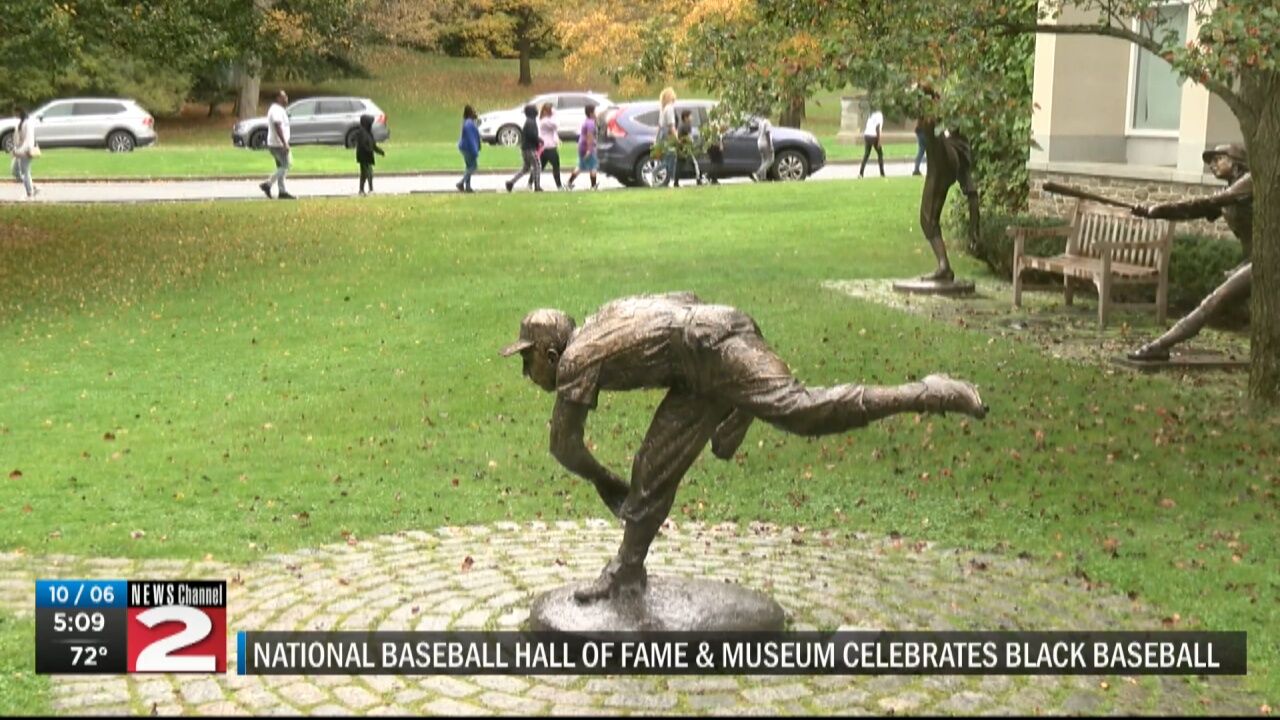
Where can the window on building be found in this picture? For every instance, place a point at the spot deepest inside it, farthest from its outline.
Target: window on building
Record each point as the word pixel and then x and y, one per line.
pixel 1157 88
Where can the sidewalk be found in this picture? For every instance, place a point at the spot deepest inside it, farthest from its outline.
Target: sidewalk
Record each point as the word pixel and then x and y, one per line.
pixel 127 191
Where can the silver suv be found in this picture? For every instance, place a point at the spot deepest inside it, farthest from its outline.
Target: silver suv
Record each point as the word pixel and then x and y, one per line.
pixel 317 120
pixel 502 127
pixel 118 125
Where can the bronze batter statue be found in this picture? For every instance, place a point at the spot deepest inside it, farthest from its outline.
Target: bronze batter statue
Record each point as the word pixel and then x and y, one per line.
pixel 1235 204
pixel 720 376
pixel 950 159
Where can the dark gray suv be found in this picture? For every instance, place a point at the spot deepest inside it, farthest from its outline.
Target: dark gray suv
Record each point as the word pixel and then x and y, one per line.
pixel 626 135
pixel 317 120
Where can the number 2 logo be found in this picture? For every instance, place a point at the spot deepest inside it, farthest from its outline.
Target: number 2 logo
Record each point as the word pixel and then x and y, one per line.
pixel 157 656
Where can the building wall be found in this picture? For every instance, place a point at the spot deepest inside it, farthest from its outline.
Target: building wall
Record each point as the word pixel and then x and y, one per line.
pixel 1090 83
pixel 1223 126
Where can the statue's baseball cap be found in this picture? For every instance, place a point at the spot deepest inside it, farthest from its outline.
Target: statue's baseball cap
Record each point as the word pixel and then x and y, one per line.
pixel 544 324
pixel 1234 151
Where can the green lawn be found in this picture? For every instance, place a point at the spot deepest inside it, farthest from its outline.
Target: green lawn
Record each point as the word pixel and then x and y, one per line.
pixel 423 96
pixel 210 373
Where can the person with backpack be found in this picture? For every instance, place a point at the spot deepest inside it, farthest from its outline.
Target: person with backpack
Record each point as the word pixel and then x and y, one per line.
pixel 469 146
pixel 366 146
pixel 529 142
pixel 24 151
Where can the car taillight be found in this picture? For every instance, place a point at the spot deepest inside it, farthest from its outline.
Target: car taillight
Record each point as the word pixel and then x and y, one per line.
pixel 148 121
pixel 615 130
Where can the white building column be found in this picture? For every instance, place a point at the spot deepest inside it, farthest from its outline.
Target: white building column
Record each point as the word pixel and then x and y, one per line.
pixel 1193 127
pixel 1042 88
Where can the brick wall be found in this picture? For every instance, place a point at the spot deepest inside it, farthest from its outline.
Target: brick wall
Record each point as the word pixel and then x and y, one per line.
pixel 1127 190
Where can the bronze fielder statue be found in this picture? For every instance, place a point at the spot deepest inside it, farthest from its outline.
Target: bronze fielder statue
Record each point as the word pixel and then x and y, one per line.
pixel 950 160
pixel 1235 204
pixel 720 376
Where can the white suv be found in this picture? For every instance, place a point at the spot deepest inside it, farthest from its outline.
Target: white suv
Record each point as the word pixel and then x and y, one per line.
pixel 502 127
pixel 118 125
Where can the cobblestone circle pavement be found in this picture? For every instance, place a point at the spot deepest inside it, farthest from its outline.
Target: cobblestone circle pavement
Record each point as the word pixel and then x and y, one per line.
pixel 825 580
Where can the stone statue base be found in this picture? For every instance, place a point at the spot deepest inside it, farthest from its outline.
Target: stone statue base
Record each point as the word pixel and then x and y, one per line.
pixel 1189 360
pixel 920 286
pixel 668 604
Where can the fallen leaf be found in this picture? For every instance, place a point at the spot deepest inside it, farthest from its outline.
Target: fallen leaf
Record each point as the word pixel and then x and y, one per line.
pixel 15 475
pixel 138 534
pixel 467 562
pixel 1168 504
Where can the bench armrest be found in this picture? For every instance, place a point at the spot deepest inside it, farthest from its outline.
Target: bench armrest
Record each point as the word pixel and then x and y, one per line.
pixel 1049 231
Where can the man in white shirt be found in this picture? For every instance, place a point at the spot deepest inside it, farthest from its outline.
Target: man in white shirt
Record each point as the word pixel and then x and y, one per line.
pixel 871 134
pixel 278 145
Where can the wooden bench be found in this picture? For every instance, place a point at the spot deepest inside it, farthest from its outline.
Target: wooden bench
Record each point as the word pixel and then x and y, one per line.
pixel 1106 245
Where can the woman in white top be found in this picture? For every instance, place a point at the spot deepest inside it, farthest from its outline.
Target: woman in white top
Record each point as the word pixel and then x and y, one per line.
pixel 549 134
pixel 24 149
pixel 668 132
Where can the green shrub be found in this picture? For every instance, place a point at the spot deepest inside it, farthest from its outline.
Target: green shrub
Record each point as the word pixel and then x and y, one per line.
pixel 1197 266
pixel 994 246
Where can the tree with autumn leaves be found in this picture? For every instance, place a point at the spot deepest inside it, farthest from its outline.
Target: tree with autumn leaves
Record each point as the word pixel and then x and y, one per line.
pixel 160 52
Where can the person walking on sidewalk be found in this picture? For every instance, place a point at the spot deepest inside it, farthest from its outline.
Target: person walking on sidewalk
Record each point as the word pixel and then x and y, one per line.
pixel 871 135
pixel 24 151
pixel 919 146
pixel 366 146
pixel 588 161
pixel 667 133
pixel 278 145
pixel 469 146
pixel 764 143
pixel 529 150
pixel 549 134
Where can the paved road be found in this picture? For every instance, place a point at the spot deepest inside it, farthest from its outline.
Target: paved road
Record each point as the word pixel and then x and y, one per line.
pixel 247 189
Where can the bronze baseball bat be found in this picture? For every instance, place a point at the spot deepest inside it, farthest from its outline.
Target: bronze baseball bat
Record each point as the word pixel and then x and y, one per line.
pixel 1055 188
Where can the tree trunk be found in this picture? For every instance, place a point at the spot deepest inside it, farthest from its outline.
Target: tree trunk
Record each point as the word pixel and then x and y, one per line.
pixel 1263 142
pixel 526 70
pixel 793 113
pixel 250 85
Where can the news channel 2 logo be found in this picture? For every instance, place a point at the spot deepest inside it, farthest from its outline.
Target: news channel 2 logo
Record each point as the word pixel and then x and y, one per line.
pixel 134 626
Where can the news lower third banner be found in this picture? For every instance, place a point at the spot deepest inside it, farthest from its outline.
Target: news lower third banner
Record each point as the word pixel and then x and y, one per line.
pixel 787 653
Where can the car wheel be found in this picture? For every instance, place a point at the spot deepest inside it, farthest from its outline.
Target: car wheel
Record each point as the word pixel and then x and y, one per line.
pixel 258 139
pixel 508 135
pixel 791 165
pixel 120 141
pixel 350 140
pixel 650 172
pixel 6 143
